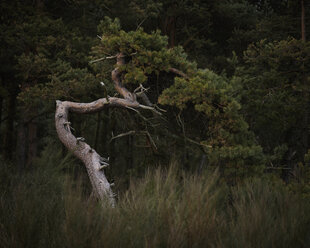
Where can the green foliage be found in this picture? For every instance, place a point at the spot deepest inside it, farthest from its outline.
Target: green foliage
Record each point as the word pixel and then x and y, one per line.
pixel 148 53
pixel 275 95
pixel 226 136
pixel 48 68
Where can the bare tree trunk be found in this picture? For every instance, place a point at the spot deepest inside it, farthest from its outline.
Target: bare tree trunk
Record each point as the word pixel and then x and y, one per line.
pixel 92 160
pixel 21 145
pixel 169 29
pixel 305 135
pixel 1 103
pixel 129 154
pixel 303 25
pixel 97 133
pixel 9 135
pixel 40 5
pixel 32 142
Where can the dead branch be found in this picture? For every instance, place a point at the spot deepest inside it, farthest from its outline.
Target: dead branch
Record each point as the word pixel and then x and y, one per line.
pixel 178 72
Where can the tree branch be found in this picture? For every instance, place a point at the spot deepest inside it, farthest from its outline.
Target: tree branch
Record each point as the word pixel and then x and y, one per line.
pixel 178 72
pixel 116 77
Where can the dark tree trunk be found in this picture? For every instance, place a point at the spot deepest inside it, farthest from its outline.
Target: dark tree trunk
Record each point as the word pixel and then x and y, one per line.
pixel 171 30
pixel 129 157
pixel 305 135
pixel 21 145
pixel 97 133
pixel 110 131
pixel 303 25
pixel 1 103
pixel 32 142
pixel 168 24
pixel 39 5
pixel 9 132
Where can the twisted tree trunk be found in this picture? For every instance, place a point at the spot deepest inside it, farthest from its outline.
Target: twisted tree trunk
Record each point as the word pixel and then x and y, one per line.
pixel 93 161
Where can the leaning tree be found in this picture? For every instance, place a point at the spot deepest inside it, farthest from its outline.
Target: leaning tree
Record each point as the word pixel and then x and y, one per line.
pixel 141 57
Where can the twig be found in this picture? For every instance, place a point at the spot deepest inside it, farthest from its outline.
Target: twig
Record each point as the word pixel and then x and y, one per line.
pixel 150 139
pixel 98 60
pixel 141 23
pixel 150 108
pixel 122 135
pixel 277 168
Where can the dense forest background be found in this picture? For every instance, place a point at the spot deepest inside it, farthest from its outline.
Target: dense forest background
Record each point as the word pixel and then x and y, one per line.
pixel 226 164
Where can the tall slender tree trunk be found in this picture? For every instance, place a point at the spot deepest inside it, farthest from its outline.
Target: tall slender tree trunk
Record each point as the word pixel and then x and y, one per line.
pixel 169 29
pixel 110 131
pixel 303 25
pixel 32 142
pixel 97 133
pixel 305 134
pixel 172 27
pixel 9 132
pixel 21 145
pixel 40 5
pixel 1 103
pixel 129 157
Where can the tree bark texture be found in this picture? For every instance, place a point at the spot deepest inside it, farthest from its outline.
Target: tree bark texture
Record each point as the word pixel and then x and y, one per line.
pixel 93 161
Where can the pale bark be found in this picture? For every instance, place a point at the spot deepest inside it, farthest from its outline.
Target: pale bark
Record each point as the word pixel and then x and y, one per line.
pixel 93 161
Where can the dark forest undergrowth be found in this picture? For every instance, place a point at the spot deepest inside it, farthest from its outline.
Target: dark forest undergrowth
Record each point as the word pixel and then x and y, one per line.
pixel 165 208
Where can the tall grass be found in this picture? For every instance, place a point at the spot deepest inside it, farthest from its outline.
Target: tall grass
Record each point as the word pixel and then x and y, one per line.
pixel 165 208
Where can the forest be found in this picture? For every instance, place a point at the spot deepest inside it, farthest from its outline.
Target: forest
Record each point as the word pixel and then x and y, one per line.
pixel 155 123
